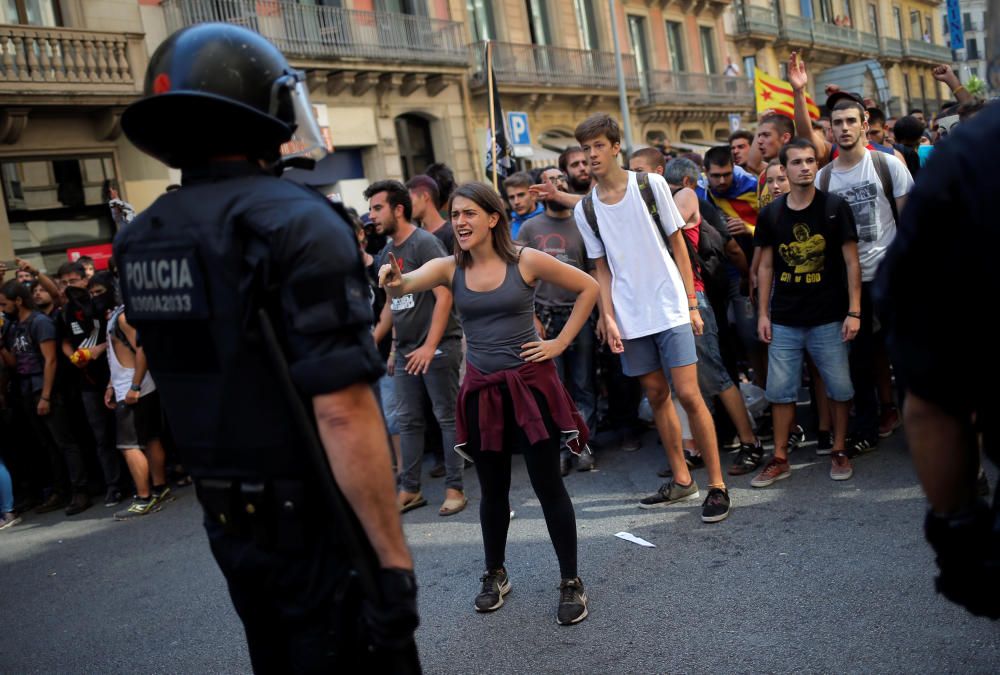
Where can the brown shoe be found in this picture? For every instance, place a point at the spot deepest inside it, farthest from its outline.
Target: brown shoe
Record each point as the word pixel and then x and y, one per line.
pixel 80 503
pixel 840 466
pixel 54 502
pixel 775 470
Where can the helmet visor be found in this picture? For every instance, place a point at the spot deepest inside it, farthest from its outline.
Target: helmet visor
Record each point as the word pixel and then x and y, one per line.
pixel 307 145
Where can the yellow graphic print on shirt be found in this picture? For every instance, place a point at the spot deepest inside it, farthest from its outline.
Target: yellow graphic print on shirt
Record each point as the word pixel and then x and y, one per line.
pixel 806 255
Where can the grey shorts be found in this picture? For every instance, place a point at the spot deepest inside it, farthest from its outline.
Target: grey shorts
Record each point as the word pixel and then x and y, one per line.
pixel 671 348
pixel 137 425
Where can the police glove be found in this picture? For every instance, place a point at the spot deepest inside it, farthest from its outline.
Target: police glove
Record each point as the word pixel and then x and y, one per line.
pixel 968 555
pixel 392 619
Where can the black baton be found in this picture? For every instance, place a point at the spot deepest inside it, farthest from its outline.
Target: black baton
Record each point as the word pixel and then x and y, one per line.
pixel 359 550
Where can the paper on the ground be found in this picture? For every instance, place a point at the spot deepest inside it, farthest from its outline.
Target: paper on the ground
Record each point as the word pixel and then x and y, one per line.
pixel 628 536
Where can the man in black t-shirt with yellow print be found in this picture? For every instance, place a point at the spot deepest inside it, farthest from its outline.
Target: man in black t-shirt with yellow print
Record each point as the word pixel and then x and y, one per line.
pixel 810 298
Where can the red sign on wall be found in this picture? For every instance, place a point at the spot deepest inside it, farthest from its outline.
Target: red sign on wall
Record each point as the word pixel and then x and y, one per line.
pixel 101 254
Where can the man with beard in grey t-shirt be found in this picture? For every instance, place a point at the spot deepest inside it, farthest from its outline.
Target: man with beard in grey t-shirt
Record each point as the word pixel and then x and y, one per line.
pixel 427 350
pixel 554 231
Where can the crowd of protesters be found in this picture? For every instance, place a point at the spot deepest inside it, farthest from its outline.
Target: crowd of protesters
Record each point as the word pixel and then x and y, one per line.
pixel 747 283
pixel 81 416
pixel 783 232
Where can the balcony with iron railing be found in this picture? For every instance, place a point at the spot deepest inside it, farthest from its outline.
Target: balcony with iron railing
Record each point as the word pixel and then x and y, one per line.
pixel 541 65
pixel 665 87
pixel 926 51
pixel 892 48
pixel 754 21
pixel 65 62
pixel 796 29
pixel 318 32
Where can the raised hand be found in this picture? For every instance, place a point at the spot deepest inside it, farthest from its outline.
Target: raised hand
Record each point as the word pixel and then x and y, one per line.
pixel 389 275
pixel 797 75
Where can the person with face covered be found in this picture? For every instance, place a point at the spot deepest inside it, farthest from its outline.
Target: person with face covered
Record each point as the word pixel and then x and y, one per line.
pixel 82 324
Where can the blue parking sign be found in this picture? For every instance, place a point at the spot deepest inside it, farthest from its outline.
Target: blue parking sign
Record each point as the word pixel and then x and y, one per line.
pixel 517 122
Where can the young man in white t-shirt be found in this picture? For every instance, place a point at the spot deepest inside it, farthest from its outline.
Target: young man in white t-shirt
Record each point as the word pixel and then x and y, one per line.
pixel 854 176
pixel 649 307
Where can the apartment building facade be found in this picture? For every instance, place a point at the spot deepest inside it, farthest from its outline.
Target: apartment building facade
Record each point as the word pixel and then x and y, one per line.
pixel 885 49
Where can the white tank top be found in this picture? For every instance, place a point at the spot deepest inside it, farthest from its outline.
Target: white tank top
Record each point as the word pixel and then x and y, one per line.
pixel 121 377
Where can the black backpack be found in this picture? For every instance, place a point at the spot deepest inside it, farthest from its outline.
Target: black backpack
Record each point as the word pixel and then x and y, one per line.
pixel 708 261
pixel 884 177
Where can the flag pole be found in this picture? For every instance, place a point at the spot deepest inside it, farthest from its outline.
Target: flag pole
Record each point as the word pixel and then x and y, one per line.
pixel 622 94
pixel 493 121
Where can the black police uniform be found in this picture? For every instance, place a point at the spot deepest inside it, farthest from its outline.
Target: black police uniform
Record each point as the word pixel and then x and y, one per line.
pixel 934 293
pixel 195 268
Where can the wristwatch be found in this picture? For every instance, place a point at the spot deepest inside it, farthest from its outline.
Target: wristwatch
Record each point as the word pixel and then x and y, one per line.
pixel 136 387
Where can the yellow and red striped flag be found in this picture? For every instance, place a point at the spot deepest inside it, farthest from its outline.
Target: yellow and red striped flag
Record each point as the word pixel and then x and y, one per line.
pixel 774 94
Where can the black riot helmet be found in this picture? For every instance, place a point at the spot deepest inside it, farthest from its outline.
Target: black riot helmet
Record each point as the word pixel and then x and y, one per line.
pixel 216 89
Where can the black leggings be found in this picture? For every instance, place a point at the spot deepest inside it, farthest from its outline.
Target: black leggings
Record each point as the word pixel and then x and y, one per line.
pixel 542 461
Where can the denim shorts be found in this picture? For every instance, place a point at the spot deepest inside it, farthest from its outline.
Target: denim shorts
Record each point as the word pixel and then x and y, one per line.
pixel 671 348
pixel 713 379
pixel 828 351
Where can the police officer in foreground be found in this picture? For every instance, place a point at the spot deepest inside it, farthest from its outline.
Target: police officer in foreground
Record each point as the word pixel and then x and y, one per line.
pixel 934 290
pixel 197 268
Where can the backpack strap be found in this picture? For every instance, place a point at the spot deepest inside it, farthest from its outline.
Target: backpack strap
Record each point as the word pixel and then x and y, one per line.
pixel 881 163
pixel 590 214
pixel 824 177
pixel 646 190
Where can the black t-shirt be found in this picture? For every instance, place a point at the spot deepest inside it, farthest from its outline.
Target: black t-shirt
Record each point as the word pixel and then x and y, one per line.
pixel 446 233
pixel 810 277
pixel 85 333
pixel 24 339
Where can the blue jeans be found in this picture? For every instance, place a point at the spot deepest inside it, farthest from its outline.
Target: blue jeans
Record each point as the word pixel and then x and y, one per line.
pixel 575 365
pixel 6 490
pixel 743 315
pixel 828 352
pixel 387 400
pixel 713 379
pixel 441 384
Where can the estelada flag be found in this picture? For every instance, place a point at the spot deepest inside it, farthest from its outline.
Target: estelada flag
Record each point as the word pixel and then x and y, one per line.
pixel 774 94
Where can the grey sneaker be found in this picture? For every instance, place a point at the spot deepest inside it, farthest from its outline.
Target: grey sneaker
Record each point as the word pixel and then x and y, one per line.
pixel 137 509
pixel 572 602
pixel 496 584
pixel 670 493
pixel 162 495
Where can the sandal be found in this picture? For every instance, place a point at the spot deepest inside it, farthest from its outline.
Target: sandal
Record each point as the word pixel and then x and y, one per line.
pixel 452 506
pixel 415 502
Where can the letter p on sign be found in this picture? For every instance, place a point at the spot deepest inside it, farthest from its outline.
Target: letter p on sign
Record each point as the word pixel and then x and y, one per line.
pixel 518 123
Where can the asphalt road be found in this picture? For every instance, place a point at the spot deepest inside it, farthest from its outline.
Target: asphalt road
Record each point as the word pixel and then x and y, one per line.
pixel 806 576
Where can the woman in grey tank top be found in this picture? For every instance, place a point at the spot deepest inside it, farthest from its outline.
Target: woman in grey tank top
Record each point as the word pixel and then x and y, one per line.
pixel 511 399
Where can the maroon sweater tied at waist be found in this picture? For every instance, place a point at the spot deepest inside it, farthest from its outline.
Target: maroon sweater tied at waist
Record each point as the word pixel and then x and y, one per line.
pixel 541 377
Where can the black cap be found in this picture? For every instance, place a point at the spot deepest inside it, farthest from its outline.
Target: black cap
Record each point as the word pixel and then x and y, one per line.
pixel 838 96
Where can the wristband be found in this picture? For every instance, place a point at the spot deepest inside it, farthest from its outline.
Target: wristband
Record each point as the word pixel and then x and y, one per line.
pixel 136 387
pixel 959 88
pixel 854 315
pixel 45 398
pixel 693 309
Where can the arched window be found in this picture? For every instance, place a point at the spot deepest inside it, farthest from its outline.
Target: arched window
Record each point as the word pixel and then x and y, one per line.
pixel 416 149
